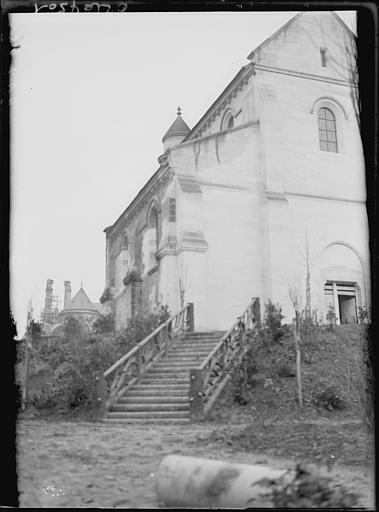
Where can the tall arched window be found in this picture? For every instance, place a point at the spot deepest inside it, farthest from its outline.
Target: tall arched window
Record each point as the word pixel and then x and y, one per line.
pixel 125 256
pixel 327 130
pixel 153 228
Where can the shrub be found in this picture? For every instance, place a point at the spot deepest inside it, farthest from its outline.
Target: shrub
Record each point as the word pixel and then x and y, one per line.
pixel 72 360
pixel 273 319
pixel 331 317
pixel 363 315
pixel 103 324
pixel 329 398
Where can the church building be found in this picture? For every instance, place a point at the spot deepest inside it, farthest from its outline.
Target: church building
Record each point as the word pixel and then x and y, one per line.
pixel 270 177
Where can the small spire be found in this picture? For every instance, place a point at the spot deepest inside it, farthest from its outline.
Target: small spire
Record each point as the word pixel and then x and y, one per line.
pixel 179 111
pixel 81 281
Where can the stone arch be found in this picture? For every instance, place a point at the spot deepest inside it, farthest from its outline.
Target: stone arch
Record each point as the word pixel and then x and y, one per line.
pixel 227 120
pixel 340 116
pixel 341 263
pixel 151 235
pixel 125 254
pixel 327 102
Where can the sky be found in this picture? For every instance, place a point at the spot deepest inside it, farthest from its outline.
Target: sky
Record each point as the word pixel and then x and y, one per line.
pixel 91 97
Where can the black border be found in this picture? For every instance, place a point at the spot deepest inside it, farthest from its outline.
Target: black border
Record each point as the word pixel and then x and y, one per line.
pixel 367 29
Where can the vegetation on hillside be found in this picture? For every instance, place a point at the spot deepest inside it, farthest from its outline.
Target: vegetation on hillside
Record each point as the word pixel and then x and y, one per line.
pixel 62 368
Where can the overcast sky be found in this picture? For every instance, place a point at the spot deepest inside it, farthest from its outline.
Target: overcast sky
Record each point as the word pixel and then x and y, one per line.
pixel 92 96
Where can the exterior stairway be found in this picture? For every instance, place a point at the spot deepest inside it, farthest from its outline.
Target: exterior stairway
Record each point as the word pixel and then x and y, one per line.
pixel 162 394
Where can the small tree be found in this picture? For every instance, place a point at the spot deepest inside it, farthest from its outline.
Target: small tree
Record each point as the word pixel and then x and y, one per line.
pixel 294 297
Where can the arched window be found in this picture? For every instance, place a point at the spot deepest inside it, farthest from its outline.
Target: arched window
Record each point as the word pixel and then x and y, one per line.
pixel 227 121
pixel 327 130
pixel 150 239
pixel 125 256
pixel 153 227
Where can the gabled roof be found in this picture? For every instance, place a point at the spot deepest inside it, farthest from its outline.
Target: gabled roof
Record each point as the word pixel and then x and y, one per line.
pixel 288 24
pixel 81 301
pixel 178 128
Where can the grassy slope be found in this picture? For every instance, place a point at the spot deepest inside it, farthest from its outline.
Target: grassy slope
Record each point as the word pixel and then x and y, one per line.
pixel 272 422
pixel 327 360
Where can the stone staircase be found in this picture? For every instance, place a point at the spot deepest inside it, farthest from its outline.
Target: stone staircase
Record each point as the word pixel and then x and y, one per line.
pixel 162 394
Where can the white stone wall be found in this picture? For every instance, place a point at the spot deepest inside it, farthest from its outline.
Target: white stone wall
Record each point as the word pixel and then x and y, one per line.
pixel 310 190
pixel 247 197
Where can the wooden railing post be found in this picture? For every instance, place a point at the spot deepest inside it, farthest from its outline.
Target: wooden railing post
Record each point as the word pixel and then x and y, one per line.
pixel 196 394
pixel 100 393
pixel 191 317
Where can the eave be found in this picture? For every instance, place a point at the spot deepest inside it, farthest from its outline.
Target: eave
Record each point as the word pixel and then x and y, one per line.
pixel 141 195
pixel 243 74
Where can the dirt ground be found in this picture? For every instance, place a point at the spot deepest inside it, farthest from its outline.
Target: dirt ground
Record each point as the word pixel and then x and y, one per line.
pixel 83 464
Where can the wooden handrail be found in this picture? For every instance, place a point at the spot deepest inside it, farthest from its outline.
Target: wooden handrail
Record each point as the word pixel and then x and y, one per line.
pixel 221 342
pixel 141 344
pixel 208 380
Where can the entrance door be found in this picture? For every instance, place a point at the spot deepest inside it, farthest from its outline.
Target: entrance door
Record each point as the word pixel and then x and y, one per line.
pixel 342 296
pixel 348 309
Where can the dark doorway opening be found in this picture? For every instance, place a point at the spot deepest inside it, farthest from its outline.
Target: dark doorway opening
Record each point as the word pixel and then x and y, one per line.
pixel 348 309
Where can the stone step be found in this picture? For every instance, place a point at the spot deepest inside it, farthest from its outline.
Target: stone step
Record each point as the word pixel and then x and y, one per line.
pixel 197 334
pixel 148 414
pixel 196 342
pixel 169 387
pixel 188 353
pixel 168 372
pixel 175 365
pixel 144 420
pixel 184 359
pixel 152 407
pixel 169 392
pixel 151 399
pixel 190 348
pixel 162 379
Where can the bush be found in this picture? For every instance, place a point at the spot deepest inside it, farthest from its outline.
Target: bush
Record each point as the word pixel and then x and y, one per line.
pixel 273 320
pixel 331 317
pixel 103 324
pixel 329 398
pixel 73 359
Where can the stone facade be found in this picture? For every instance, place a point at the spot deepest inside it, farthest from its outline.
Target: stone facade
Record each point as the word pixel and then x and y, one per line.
pixel 228 214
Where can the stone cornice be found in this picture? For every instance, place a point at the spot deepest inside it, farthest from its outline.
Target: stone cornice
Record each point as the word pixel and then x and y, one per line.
pixel 277 196
pixel 308 76
pixel 221 102
pixel 326 198
pixel 217 134
pixel 158 181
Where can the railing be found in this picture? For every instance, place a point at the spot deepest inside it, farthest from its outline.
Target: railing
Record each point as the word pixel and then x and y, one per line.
pixel 112 384
pixel 207 381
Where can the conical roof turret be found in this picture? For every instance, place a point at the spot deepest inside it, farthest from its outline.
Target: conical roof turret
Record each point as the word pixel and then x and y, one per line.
pixel 177 131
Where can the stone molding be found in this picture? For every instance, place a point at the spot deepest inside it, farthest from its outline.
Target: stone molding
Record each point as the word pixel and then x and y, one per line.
pixel 188 183
pixel 132 277
pixel 299 74
pixel 269 194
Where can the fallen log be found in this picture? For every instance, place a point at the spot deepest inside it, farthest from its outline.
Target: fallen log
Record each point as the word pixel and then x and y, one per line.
pixel 189 482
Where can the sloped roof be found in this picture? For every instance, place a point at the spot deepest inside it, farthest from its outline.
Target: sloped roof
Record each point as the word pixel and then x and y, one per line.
pixel 178 127
pixel 81 301
pixel 289 23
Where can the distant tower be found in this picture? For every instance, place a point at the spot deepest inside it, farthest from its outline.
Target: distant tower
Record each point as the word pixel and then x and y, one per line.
pixel 49 299
pixel 67 294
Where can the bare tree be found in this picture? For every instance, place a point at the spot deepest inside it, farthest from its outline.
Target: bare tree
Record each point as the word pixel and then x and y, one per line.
pixel 294 297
